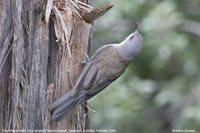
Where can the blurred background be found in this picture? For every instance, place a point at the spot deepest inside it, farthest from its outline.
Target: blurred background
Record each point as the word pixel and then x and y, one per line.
pixel 160 90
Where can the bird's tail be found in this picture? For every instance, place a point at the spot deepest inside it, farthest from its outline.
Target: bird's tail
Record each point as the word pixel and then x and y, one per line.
pixel 62 106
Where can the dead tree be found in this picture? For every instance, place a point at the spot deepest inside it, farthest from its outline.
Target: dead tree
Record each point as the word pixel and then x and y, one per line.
pixel 42 44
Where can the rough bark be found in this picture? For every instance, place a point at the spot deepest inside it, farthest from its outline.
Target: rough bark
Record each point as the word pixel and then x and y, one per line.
pixel 40 60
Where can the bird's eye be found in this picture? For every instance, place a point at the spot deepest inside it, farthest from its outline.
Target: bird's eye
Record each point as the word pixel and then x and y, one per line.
pixel 132 37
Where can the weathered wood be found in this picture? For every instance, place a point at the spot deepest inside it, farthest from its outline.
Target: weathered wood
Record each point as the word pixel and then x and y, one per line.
pixel 6 38
pixel 94 13
pixel 65 70
pixel 40 60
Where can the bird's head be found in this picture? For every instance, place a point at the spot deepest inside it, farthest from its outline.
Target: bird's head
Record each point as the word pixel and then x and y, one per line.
pixel 133 43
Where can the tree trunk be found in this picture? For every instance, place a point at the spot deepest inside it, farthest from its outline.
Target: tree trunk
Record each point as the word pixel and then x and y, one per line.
pixel 42 44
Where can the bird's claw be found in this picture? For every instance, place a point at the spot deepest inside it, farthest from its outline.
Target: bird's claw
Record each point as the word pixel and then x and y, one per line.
pixel 84 61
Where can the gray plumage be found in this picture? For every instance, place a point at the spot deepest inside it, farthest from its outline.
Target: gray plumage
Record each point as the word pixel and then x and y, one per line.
pixel 105 66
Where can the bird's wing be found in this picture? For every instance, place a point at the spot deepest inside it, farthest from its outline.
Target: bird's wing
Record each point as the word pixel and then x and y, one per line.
pixel 101 83
pixel 105 78
pixel 99 86
pixel 89 72
pixel 104 67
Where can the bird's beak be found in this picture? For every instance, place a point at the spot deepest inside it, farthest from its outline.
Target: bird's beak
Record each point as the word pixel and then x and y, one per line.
pixel 136 28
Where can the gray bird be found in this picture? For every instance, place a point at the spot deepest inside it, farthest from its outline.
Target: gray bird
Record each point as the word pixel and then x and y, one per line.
pixel 105 66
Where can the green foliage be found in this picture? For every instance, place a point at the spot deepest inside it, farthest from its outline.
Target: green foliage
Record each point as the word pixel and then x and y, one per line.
pixel 160 90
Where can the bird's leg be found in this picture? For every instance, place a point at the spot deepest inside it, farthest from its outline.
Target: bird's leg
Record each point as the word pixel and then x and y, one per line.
pixel 85 60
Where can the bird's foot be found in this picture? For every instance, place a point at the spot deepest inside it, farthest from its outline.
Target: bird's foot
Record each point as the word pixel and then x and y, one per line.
pixel 85 60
